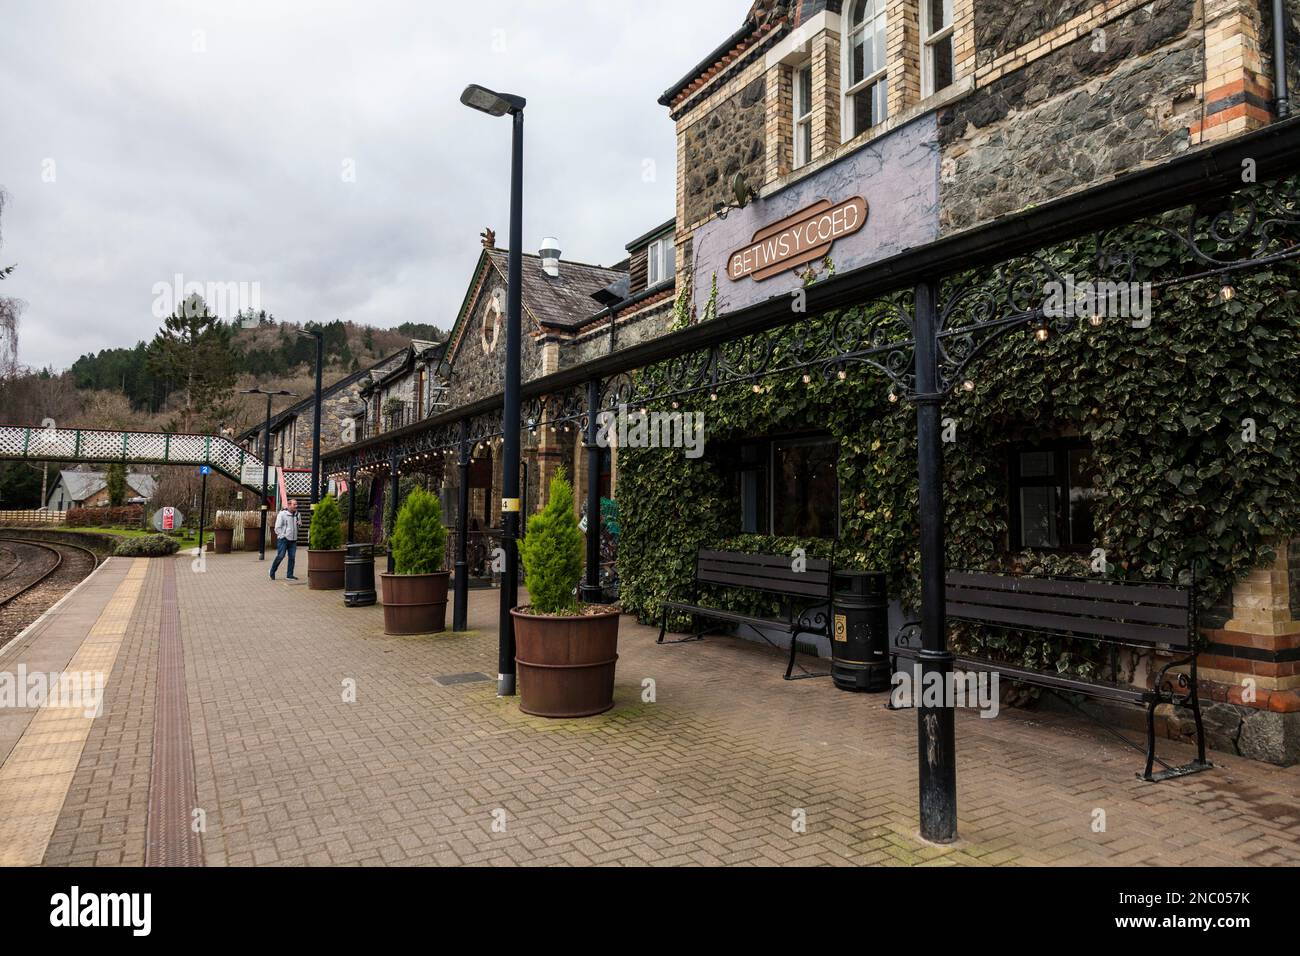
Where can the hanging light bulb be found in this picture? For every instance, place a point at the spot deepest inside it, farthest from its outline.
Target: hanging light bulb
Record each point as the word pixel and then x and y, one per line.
pixel 807 379
pixel 713 396
pixel 675 406
pixel 757 388
pixel 1042 331
pixel 1227 293
pixel 842 375
pixel 893 396
pixel 968 386
pixel 1096 320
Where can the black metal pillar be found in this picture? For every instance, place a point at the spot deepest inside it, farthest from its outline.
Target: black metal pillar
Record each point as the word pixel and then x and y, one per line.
pixel 394 475
pixel 510 418
pixel 352 499
pixel 460 597
pixel 317 480
pixel 203 509
pixel 591 589
pixel 266 465
pixel 937 751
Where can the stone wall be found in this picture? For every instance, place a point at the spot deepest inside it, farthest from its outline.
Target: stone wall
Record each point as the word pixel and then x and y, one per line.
pixel 1076 117
pixel 1005 25
pixel 476 374
pixel 641 326
pixel 337 409
pixel 727 140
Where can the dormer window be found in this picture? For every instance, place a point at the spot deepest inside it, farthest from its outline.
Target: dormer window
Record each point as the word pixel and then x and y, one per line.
pixel 660 261
pixel 866 90
pixel 803 101
pixel 937 67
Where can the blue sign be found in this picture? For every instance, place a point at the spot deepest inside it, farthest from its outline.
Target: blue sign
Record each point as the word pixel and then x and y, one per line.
pixel 205 469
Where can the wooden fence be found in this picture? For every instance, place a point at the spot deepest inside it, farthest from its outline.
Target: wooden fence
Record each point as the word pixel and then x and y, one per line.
pixel 30 518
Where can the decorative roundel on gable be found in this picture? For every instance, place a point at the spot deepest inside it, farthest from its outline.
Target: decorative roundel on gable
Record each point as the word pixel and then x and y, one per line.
pixel 490 333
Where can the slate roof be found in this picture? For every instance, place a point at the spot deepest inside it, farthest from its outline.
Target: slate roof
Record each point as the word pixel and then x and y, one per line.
pixel 564 302
pixel 80 485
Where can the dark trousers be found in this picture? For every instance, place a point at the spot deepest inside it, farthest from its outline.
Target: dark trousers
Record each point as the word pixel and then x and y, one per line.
pixel 284 546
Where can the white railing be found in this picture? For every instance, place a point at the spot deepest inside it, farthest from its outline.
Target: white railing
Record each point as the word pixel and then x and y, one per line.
pixel 91 445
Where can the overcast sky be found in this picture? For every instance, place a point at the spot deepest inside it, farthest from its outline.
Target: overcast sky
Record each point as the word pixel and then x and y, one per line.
pixel 139 140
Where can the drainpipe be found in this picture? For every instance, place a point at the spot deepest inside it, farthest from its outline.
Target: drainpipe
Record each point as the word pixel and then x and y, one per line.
pixel 1282 98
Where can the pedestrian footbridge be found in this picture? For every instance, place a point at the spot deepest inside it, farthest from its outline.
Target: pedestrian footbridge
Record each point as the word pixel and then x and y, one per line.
pixel 99 446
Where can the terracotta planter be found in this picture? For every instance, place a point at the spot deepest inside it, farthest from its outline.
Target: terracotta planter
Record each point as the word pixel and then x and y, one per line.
pixel 566 664
pixel 414 603
pixel 221 539
pixel 325 570
pixel 252 539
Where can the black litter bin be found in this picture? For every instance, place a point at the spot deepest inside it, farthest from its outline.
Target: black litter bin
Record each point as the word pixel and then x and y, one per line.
pixel 359 576
pixel 860 633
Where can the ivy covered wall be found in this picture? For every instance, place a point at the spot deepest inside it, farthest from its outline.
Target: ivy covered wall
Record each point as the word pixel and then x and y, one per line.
pixel 1165 409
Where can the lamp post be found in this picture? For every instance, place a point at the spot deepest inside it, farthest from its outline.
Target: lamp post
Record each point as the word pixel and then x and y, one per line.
pixel 501 104
pixel 266 453
pixel 316 490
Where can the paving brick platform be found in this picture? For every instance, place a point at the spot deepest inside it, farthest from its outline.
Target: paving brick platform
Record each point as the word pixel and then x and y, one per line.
pixel 317 740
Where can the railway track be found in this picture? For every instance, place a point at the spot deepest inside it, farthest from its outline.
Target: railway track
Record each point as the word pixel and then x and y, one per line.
pixel 33 576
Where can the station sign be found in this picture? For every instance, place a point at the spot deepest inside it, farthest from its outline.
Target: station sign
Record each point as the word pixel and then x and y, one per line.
pixel 251 474
pixel 803 237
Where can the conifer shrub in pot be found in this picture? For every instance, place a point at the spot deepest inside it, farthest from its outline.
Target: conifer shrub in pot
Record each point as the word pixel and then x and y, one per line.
pixel 415 595
pixel 325 546
pixel 566 652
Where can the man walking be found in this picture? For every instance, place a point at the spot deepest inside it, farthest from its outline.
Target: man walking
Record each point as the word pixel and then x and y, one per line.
pixel 286 529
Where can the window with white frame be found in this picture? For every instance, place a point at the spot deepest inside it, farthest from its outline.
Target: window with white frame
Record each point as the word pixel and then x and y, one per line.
pixel 660 261
pixel 803 101
pixel 937 66
pixel 866 83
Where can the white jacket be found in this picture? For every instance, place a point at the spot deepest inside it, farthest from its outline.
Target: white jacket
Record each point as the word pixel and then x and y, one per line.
pixel 286 525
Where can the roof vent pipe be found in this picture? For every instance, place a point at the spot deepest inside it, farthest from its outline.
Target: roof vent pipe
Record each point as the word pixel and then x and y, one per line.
pixel 550 253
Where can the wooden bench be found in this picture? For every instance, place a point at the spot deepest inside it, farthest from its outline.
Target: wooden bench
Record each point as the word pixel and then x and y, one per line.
pixel 1140 615
pixel 802 593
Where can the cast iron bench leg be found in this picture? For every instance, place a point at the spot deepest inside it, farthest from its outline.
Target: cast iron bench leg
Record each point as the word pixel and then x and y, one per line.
pixel 1196 713
pixel 794 645
pixel 663 626
pixel 1151 738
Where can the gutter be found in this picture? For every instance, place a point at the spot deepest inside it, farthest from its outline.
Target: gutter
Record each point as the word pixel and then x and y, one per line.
pixel 614 309
pixel 1282 98
pixel 723 49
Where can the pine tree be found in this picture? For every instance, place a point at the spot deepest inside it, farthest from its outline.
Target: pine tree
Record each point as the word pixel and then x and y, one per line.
pixel 192 352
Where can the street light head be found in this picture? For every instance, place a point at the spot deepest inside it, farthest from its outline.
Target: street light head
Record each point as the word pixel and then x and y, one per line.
pixel 494 104
pixel 310 333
